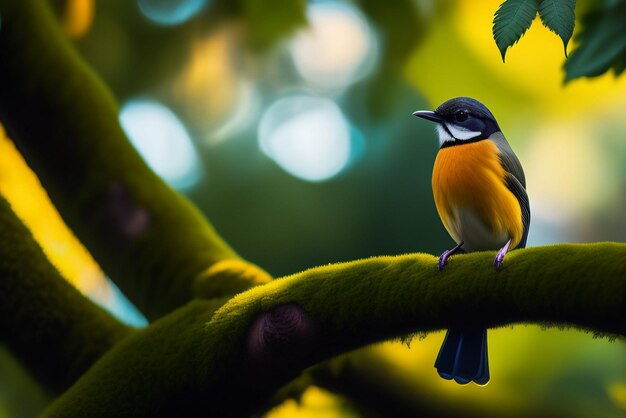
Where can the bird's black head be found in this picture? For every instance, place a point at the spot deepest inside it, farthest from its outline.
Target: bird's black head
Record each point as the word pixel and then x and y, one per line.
pixel 461 120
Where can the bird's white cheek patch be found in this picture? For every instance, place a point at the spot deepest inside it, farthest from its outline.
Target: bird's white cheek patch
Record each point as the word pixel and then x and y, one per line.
pixel 444 136
pixel 461 133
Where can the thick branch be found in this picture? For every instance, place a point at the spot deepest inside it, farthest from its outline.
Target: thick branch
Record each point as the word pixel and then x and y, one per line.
pixel 195 357
pixel 148 238
pixel 54 330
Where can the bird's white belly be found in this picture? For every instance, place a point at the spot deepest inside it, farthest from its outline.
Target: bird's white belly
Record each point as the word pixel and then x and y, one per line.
pixel 477 236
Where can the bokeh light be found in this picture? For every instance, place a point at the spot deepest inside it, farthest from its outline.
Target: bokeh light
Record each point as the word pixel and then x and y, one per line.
pixel 79 15
pixel 307 136
pixel 243 115
pixel 206 87
pixel 170 12
pixel 162 141
pixel 338 47
pixel 563 192
pixel 314 403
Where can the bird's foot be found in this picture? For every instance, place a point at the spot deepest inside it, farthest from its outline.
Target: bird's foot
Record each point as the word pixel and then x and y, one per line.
pixel 443 258
pixel 499 260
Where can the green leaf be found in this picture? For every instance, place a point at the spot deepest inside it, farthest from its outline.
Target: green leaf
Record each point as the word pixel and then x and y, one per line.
pixel 558 16
pixel 602 43
pixel 619 65
pixel 511 21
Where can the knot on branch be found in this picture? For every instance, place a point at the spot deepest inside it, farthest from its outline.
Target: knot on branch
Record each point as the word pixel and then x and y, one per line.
pixel 228 277
pixel 119 215
pixel 283 338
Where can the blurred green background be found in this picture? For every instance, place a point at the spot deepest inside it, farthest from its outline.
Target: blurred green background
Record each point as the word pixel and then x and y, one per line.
pixel 288 123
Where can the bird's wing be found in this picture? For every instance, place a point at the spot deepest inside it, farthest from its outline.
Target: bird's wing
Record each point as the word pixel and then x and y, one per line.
pixel 515 180
pixel 520 194
pixel 509 160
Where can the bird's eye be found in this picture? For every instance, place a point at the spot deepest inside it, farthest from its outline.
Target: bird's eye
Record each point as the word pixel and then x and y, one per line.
pixel 461 116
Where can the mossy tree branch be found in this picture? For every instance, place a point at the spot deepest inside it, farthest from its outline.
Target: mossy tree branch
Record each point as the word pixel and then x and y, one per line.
pixel 232 358
pixel 148 238
pixel 54 330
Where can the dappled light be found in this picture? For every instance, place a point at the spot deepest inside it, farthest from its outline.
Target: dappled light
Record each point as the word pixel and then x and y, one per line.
pixel 36 211
pixel 337 48
pixel 208 86
pixel 242 117
pixel 315 403
pixel 170 12
pixel 163 142
pixel 79 15
pixel 307 136
pixel 58 242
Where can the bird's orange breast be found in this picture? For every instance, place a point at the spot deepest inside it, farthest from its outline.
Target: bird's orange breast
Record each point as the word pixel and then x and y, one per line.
pixel 469 187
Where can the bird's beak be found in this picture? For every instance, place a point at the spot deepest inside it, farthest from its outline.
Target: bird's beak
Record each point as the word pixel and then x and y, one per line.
pixel 428 115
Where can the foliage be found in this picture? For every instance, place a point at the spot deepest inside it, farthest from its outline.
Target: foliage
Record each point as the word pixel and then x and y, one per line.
pixel 558 16
pixel 514 17
pixel 511 21
pixel 602 43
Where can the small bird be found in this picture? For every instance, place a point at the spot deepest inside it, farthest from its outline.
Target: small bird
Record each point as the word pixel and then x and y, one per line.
pixel 480 193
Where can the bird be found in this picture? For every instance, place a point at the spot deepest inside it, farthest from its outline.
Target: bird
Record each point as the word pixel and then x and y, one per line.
pixel 479 189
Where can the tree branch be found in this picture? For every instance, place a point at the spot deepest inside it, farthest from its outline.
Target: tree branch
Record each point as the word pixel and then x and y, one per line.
pixel 193 357
pixel 153 243
pixel 54 330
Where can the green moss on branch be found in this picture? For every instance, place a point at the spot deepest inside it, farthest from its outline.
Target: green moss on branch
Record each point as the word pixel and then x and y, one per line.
pixel 580 284
pixel 148 238
pixel 233 358
pixel 55 331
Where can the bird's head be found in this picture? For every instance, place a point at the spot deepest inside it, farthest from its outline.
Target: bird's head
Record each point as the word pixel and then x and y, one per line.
pixel 461 120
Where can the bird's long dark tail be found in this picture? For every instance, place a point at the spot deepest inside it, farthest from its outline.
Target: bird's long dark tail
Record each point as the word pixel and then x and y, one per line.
pixel 463 356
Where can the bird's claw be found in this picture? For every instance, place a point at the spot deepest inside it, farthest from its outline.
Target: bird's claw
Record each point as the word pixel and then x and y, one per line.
pixel 443 259
pixel 499 260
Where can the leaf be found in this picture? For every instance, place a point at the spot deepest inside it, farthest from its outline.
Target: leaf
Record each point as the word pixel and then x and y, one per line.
pixel 602 43
pixel 619 64
pixel 511 21
pixel 558 16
